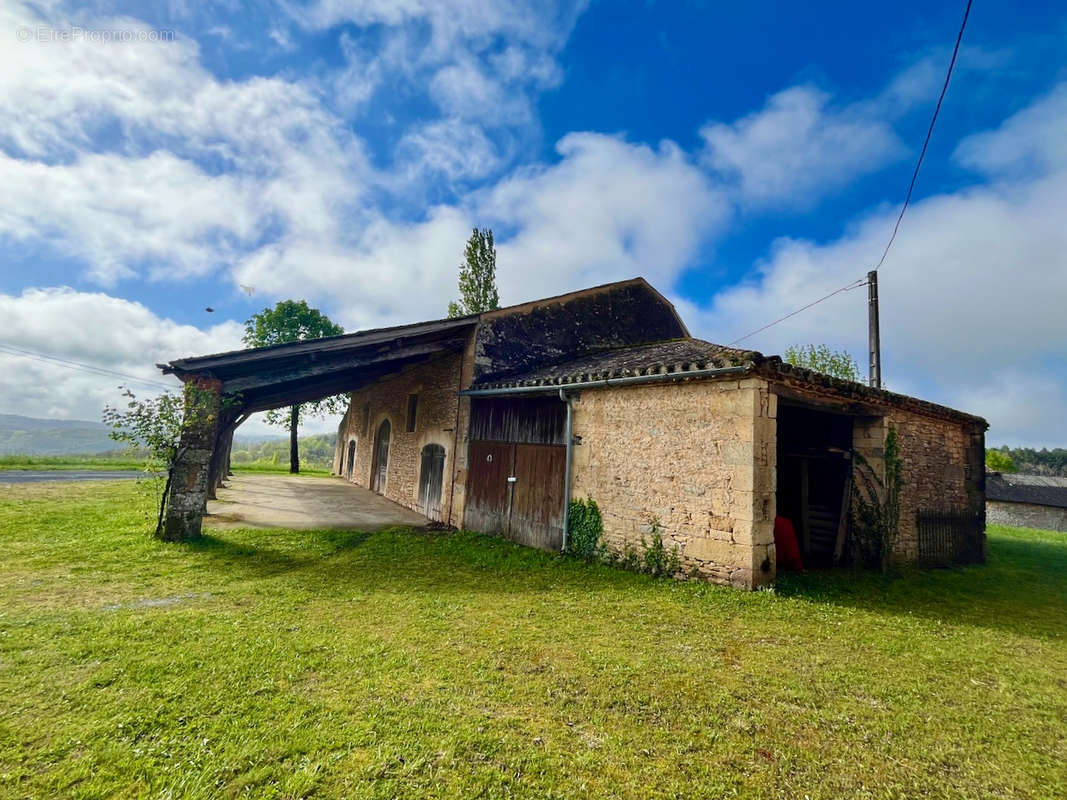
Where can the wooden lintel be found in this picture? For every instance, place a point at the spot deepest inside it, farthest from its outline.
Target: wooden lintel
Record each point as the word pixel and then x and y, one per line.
pixel 847 406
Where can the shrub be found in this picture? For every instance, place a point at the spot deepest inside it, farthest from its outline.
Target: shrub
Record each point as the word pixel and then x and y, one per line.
pixel 584 526
pixel 658 561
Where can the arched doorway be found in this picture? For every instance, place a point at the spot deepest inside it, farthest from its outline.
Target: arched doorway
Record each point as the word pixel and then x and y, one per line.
pixel 431 475
pixel 351 458
pixel 380 467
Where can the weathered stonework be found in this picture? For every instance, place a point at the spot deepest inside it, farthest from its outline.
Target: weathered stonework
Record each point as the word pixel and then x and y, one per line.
pixel 942 457
pixel 187 503
pixel 436 384
pixel 698 457
pixel 1026 515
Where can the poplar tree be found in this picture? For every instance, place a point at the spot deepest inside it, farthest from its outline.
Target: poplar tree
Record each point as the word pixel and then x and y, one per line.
pixel 477 277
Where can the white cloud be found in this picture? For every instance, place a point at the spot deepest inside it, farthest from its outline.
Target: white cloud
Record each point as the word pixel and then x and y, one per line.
pixel 115 213
pixel 126 338
pixel 609 209
pixel 1033 141
pixel 94 329
pixel 971 294
pixel 798 148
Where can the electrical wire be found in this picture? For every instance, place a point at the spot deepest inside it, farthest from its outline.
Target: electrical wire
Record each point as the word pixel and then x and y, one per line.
pixel 929 133
pixel 907 198
pixel 76 365
pixel 848 288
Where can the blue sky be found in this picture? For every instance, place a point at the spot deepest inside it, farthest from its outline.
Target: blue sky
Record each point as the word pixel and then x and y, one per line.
pixel 745 158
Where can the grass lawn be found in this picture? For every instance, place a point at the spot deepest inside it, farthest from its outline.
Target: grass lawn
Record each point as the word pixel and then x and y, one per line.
pixel 76 462
pixel 429 664
pixel 69 462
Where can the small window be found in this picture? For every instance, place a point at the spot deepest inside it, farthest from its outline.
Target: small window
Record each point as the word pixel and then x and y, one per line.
pixel 366 418
pixel 413 411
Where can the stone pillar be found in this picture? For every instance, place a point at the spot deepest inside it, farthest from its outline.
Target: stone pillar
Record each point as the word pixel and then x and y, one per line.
pixel 189 483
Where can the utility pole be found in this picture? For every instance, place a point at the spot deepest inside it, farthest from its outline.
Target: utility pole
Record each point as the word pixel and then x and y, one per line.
pixel 874 349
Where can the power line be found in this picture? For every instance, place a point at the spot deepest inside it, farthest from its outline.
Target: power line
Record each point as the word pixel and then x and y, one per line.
pixel 77 365
pixel 854 285
pixel 907 198
pixel 929 133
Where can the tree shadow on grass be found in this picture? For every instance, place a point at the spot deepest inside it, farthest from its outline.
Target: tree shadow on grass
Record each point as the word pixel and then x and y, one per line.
pixel 260 559
pixel 397 559
pixel 1022 589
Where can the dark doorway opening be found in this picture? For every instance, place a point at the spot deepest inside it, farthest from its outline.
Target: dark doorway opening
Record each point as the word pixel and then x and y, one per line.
pixel 351 459
pixel 814 479
pixel 431 476
pixel 380 467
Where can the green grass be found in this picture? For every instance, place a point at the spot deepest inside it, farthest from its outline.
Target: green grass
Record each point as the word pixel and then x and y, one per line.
pixel 429 664
pixel 76 462
pixel 69 462
pixel 270 466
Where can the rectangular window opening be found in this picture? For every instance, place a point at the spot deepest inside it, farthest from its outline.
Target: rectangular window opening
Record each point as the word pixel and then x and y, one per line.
pixel 413 411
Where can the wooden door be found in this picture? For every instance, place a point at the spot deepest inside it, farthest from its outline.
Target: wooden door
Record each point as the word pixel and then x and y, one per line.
pixel 537 496
pixel 351 459
pixel 380 468
pixel 431 476
pixel 488 490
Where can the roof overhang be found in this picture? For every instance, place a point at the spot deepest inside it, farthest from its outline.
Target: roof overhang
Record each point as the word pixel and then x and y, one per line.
pixel 298 372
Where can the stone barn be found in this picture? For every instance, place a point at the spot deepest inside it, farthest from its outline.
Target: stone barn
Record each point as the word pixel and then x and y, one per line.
pixel 491 422
pixel 1027 501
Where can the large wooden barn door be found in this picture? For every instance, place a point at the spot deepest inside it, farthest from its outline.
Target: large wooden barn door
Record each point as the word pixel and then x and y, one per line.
pixel 488 490
pixel 516 462
pixel 537 495
pixel 431 476
pixel 381 458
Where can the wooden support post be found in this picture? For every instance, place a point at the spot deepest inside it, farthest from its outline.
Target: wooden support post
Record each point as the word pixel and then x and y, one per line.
pixel 842 523
pixel 805 520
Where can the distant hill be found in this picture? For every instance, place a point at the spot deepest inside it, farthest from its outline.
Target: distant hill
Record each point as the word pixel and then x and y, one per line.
pixel 52 437
pixel 64 437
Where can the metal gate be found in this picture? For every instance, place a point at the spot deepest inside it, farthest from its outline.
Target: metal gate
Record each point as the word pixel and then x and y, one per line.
pixel 516 466
pixel 431 476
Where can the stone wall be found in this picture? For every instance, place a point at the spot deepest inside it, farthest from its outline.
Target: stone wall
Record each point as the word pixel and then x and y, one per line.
pixel 436 384
pixel 698 457
pixel 1026 515
pixel 942 458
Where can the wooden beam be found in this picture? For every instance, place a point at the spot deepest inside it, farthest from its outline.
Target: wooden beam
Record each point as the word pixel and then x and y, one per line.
pixel 309 368
pixel 842 523
pixel 847 406
pixel 805 521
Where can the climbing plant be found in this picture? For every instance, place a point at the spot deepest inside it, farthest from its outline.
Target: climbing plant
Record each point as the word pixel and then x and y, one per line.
pixel 584 527
pixel 876 506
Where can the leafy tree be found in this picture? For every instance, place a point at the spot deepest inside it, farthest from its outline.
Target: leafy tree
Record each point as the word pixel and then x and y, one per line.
pixel 836 363
pixel 477 277
pixel 293 321
pixel 153 428
pixel 1000 461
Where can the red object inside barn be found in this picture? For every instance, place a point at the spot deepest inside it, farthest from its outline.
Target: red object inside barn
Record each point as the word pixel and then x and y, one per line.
pixel 786 549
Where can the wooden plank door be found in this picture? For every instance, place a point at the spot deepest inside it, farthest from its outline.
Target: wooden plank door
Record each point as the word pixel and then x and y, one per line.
pixel 380 470
pixel 488 491
pixel 431 477
pixel 537 500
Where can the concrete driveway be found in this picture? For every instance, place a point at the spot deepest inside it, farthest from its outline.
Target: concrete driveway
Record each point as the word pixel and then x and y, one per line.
pixel 292 501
